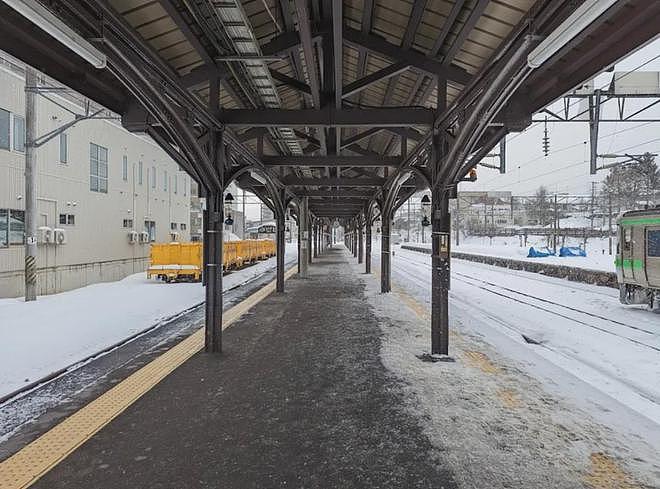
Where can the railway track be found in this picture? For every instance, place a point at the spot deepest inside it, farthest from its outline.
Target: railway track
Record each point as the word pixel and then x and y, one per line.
pixel 584 318
pixel 580 316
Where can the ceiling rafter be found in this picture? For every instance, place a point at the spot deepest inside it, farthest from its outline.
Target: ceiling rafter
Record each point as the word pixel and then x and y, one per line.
pixel 466 29
pixel 293 181
pixel 415 58
pixel 331 160
pixel 446 27
pixel 329 117
pixel 382 74
pixel 290 82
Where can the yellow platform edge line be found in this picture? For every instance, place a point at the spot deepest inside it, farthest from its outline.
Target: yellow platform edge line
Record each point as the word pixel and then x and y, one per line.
pixel 26 466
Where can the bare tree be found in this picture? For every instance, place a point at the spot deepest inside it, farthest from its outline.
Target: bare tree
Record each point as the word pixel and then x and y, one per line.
pixel 634 184
pixel 540 207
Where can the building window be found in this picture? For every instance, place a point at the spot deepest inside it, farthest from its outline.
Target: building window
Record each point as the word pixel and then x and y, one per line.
pixel 64 148
pixel 176 183
pixel 68 219
pixel 4 228
pixel 153 177
pixel 185 185
pixel 128 223
pixel 173 226
pixel 124 168
pixel 19 133
pixel 183 226
pixel 165 180
pixel 4 129
pixel 150 228
pixel 653 243
pixel 16 228
pixel 98 168
pixel 140 172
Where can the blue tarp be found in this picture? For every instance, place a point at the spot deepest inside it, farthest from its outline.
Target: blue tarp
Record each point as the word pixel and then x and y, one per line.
pixel 540 252
pixel 571 251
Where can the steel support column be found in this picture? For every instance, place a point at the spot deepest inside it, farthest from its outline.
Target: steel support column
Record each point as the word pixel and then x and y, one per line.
pixel 213 324
pixel 385 263
pixel 303 232
pixel 310 235
pixel 279 242
pixel 205 235
pixel 355 240
pixel 316 240
pixel 440 270
pixel 299 240
pixel 360 231
pixel 367 254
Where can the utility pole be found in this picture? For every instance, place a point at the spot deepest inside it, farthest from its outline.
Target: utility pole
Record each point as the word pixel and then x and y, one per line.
pixel 30 185
pixel 554 239
pixel 593 198
pixel 609 227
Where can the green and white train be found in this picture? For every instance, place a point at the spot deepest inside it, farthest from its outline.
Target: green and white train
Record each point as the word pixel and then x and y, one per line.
pixel 638 257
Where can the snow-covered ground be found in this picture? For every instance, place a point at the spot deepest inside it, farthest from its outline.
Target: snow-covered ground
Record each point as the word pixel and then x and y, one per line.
pixel 598 257
pixel 590 348
pixel 41 337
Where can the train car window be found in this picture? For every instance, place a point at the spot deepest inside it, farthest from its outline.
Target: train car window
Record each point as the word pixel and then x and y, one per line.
pixel 627 239
pixel 653 243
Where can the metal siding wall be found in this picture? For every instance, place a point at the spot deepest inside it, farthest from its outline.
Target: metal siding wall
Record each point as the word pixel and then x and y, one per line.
pixel 98 235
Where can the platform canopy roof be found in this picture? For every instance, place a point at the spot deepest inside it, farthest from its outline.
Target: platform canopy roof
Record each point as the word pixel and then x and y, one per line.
pixel 332 99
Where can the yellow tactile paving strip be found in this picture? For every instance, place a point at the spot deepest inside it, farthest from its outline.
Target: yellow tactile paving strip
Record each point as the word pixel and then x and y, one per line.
pixel 29 464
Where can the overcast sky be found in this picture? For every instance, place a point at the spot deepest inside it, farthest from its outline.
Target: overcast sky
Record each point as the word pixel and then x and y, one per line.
pixel 566 168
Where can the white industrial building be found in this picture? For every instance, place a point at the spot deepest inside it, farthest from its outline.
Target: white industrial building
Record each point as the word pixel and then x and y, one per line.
pixel 103 194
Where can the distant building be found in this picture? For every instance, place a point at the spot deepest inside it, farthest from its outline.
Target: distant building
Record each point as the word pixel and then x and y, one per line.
pixel 196 212
pixel 481 212
pixel 103 193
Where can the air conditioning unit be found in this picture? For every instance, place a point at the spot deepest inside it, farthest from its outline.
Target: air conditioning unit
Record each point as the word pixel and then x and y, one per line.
pixel 45 235
pixel 144 237
pixel 132 237
pixel 59 236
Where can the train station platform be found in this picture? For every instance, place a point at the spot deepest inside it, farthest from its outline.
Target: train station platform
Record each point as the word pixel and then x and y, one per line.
pixel 299 398
pixel 324 386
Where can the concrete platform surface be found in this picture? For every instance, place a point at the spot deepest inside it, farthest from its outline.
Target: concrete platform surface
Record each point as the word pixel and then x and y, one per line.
pixel 299 398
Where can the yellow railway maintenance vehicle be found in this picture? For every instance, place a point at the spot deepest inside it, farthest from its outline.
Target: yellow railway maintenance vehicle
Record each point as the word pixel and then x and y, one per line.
pixel 174 262
pixel 638 257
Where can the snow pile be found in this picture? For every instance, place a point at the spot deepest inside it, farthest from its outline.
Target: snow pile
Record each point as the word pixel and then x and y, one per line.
pixel 598 257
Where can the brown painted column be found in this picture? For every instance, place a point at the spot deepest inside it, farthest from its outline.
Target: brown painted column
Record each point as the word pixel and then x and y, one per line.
pixel 360 230
pixel 316 240
pixel 385 259
pixel 367 255
pixel 303 232
pixel 440 272
pixel 310 235
pixel 280 245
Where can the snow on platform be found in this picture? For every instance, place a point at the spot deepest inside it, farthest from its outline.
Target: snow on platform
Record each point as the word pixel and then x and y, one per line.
pixel 56 331
pixel 602 355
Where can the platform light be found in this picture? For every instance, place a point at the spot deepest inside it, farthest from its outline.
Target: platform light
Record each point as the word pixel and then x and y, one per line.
pixel 426 210
pixel 49 23
pixel 229 200
pixel 579 20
